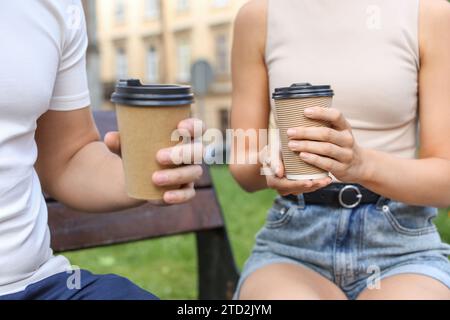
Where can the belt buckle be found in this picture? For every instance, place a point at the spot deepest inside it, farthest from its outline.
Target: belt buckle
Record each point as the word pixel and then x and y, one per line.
pixel 358 196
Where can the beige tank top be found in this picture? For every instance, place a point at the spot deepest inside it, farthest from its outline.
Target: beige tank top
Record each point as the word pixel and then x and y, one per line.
pixel 367 50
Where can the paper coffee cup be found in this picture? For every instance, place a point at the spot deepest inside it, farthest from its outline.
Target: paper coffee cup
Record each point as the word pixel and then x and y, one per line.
pixel 290 104
pixel 147 116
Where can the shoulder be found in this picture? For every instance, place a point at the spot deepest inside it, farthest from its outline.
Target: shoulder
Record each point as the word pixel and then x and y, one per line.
pixel 68 13
pixel 434 30
pixel 252 15
pixel 434 21
pixel 64 9
pixel 254 10
pixel 436 6
pixel 434 12
pixel 251 22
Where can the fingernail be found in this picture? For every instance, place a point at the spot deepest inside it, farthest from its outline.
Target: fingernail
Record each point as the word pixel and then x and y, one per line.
pixel 164 155
pixel 293 144
pixel 309 111
pixel 304 155
pixel 171 196
pixel 291 132
pixel 161 178
pixel 279 171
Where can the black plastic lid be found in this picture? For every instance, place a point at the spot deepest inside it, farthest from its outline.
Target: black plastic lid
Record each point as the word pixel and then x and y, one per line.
pixel 302 90
pixel 132 92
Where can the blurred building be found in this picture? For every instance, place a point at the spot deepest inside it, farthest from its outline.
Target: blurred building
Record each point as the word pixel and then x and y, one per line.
pixel 92 55
pixel 158 40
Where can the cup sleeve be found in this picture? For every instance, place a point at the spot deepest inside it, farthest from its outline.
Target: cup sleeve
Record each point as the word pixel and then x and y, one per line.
pixel 70 90
pixel 273 136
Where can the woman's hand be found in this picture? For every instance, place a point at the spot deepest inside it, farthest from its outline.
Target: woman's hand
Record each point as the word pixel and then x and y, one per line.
pixel 273 169
pixel 180 179
pixel 332 149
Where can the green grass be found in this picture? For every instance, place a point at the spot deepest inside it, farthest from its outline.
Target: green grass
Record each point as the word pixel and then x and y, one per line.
pixel 167 266
pixel 443 224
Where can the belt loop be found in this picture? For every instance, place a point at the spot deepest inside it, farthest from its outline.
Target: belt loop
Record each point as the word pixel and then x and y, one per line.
pixel 301 201
pixel 382 202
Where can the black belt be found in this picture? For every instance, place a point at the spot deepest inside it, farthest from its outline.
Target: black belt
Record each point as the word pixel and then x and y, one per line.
pixel 348 196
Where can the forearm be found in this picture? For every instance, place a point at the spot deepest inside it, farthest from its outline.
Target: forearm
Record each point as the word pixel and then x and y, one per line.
pixel 249 177
pixel 93 181
pixel 422 182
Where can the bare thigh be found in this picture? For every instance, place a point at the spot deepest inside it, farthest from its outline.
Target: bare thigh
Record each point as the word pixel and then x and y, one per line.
pixel 408 287
pixel 289 282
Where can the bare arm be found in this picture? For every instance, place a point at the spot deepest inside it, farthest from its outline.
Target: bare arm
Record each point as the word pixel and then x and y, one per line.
pixel 251 105
pixel 79 170
pixel 425 181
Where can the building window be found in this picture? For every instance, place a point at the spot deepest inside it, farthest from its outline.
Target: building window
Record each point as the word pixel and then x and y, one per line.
pixel 183 61
pixel 120 10
pixel 182 5
pixel 220 3
pixel 222 55
pixel 152 9
pixel 121 63
pixel 152 64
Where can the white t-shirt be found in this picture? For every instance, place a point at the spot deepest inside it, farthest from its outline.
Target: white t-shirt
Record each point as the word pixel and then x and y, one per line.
pixel 43 64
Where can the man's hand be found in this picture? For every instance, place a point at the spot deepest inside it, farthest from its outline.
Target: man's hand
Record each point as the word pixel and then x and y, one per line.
pixel 181 179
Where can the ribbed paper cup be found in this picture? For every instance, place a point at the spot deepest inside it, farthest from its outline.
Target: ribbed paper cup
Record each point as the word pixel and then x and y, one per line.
pixel 290 104
pixel 147 117
pixel 143 132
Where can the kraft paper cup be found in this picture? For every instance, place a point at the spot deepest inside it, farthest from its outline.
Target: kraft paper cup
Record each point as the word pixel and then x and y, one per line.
pixel 147 116
pixel 290 104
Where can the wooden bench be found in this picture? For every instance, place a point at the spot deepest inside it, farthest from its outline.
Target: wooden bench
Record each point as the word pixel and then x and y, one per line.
pixel 217 272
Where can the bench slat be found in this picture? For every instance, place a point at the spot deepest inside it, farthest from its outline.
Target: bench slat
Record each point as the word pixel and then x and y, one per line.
pixel 106 122
pixel 72 230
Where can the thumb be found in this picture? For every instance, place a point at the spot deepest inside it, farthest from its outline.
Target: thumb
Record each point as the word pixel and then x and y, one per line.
pixel 277 165
pixel 112 141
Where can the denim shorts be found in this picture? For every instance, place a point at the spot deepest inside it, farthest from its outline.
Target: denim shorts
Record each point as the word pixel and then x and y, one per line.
pixel 353 248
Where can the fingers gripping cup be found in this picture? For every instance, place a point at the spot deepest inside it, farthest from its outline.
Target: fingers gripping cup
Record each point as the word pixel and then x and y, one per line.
pixel 290 104
pixel 147 116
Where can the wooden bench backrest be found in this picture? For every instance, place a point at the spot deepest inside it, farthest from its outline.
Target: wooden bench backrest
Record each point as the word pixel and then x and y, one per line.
pixel 72 230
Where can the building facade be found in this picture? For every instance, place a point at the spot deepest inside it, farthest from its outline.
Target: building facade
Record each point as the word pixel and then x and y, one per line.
pixel 92 55
pixel 159 40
